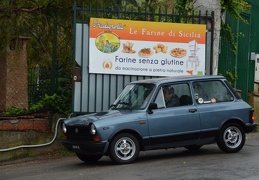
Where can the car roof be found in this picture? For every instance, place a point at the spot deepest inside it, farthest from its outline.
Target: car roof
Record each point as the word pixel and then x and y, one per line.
pixel 169 79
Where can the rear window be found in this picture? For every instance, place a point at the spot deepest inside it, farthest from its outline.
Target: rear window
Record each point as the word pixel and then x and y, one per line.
pixel 211 92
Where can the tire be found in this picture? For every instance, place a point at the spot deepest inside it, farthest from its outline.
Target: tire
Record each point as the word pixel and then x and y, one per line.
pixel 124 149
pixel 89 158
pixel 231 138
pixel 193 147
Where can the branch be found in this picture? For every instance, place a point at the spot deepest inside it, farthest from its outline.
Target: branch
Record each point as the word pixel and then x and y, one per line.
pixel 2 9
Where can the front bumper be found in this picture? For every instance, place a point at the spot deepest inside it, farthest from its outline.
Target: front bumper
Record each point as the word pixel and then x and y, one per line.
pixel 88 148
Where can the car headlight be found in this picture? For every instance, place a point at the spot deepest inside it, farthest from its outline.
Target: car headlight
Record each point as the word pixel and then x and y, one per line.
pixel 92 129
pixel 64 128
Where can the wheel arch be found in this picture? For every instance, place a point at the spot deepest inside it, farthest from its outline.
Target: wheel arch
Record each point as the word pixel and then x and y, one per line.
pixel 234 120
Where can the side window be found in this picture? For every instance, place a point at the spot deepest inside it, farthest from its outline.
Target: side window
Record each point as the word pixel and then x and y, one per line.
pixel 160 99
pixel 175 95
pixel 211 92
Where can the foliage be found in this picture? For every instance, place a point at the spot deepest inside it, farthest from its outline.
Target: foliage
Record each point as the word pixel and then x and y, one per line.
pixel 184 6
pixel 231 36
pixel 60 101
pixel 14 111
pixel 50 104
pixel 231 77
pixel 42 81
pixel 37 20
pixel 235 8
pixel 152 5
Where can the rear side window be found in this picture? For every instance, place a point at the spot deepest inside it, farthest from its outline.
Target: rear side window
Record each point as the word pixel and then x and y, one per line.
pixel 211 92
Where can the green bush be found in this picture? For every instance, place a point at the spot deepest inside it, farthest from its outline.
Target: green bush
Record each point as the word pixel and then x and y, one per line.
pixel 14 111
pixel 51 104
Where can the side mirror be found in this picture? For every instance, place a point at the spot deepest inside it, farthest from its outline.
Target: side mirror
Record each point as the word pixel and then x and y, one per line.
pixel 151 107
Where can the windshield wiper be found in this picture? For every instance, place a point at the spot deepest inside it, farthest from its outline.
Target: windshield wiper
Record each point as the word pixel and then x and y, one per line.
pixel 128 105
pixel 113 106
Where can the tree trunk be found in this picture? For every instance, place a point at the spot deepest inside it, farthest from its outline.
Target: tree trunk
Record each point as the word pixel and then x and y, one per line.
pixel 212 5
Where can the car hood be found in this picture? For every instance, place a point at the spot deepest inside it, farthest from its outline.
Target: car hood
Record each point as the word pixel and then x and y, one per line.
pixel 88 118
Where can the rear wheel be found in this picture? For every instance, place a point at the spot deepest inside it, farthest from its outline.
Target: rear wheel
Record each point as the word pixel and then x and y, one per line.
pixel 124 148
pixel 88 158
pixel 231 138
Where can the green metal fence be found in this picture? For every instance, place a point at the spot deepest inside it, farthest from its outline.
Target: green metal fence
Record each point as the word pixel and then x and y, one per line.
pixel 234 58
pixel 42 81
pixel 39 82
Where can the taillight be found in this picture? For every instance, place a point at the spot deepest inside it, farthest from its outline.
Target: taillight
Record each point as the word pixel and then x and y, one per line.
pixel 252 117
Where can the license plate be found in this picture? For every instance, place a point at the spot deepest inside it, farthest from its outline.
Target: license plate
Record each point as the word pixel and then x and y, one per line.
pixel 75 147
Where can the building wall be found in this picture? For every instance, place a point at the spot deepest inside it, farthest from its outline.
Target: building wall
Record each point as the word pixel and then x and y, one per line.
pixel 2 81
pixel 14 80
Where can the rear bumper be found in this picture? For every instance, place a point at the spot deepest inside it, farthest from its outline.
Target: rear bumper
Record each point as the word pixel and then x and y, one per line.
pixel 89 148
pixel 250 127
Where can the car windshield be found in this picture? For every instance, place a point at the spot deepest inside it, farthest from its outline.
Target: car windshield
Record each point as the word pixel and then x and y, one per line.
pixel 134 96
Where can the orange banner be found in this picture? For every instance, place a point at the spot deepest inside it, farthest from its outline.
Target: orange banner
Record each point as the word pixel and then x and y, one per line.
pixel 149 31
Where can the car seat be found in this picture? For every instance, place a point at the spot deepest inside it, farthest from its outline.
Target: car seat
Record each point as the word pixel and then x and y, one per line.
pixel 185 100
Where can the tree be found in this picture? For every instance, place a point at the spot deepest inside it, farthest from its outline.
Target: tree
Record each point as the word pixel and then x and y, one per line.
pixel 48 23
pixel 235 8
pixel 37 19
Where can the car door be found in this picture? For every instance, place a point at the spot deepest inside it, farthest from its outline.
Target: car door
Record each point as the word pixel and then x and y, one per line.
pixel 174 126
pixel 215 104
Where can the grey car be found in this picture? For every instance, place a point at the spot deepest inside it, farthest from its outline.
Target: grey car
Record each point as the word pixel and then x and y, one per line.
pixel 205 110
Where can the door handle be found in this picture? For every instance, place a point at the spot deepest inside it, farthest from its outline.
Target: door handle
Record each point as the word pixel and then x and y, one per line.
pixel 142 122
pixel 192 110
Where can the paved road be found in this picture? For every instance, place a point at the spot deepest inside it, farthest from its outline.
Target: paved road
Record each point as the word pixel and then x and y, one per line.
pixel 207 163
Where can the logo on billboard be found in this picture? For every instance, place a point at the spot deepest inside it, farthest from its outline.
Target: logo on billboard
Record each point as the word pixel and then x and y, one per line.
pixel 107 42
pixel 107 64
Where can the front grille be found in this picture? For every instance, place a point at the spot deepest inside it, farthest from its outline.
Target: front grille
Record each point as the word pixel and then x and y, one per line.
pixel 78 133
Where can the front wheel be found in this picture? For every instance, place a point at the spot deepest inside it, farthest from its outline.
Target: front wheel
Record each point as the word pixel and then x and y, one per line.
pixel 231 138
pixel 124 148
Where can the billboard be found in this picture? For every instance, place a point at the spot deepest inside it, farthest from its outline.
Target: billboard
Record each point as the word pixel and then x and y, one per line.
pixel 146 48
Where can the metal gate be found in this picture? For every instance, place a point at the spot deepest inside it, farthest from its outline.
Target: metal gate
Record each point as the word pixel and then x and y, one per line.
pixel 235 64
pixel 96 92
